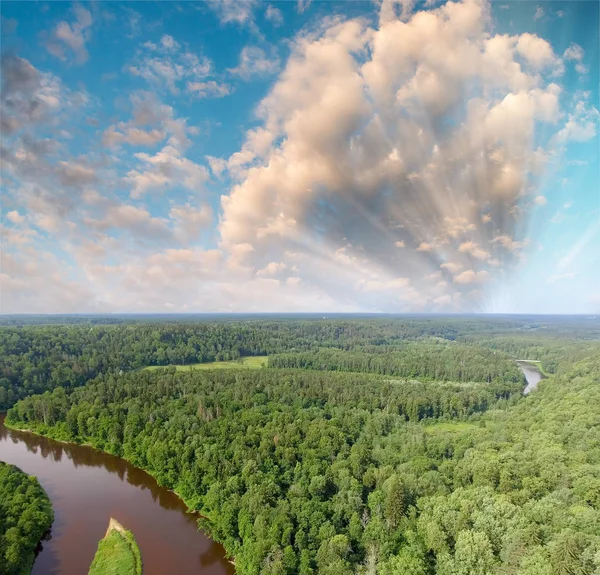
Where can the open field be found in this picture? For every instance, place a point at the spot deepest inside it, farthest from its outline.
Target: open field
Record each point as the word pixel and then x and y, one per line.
pixel 448 426
pixel 253 362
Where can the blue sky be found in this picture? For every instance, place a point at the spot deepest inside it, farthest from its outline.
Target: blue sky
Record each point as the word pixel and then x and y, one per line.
pixel 300 156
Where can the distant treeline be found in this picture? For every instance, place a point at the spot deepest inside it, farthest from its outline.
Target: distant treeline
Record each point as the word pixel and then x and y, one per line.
pixel 550 350
pixel 34 359
pixel 426 359
pixel 37 358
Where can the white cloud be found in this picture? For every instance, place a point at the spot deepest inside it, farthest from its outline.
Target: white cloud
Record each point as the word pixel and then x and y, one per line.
pixel 15 217
pixel 274 15
pixel 113 136
pixel 165 170
pixel 217 165
pixel 272 269
pixel 509 243
pixel 190 221
pixel 75 174
pixel 537 51
pixel 539 13
pixel 425 247
pixel 303 5
pixel 32 98
pixel 581 125
pixel 540 200
pixel 208 89
pixel 453 268
pixel 471 277
pixel 239 12
pixel 72 36
pixel 428 131
pixel 168 65
pixel 255 62
pixel 574 52
pixel 474 250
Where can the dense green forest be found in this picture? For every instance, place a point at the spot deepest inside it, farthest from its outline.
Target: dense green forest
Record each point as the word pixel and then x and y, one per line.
pixel 367 447
pixel 25 515
pixel 38 358
pixel 332 473
pixel 434 360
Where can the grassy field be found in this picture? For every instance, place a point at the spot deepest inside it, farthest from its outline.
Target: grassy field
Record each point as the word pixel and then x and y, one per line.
pixel 253 362
pixel 443 426
pixel 118 553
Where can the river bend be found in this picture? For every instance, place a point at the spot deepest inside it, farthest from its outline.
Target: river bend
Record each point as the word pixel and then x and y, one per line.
pixel 86 488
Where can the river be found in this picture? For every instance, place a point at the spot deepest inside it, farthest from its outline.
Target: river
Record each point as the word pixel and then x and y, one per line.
pixel 86 488
pixel 532 374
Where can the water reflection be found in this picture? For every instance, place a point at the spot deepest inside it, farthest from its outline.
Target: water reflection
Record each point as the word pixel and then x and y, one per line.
pixel 532 374
pixel 87 487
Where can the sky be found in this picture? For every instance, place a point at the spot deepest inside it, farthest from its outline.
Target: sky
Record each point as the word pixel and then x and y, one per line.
pixel 246 156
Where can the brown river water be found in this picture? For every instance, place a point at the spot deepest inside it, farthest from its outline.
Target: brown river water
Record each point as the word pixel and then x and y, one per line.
pixel 86 488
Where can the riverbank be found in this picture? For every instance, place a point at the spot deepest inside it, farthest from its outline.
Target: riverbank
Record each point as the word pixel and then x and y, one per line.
pixel 53 434
pixel 71 472
pixel 533 374
pixel 118 553
pixel 537 364
pixel 21 499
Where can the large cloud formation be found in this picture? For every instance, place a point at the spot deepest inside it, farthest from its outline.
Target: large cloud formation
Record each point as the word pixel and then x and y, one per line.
pixel 401 161
pixel 395 168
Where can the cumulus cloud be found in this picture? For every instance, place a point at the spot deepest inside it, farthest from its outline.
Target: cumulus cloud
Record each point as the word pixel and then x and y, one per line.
pixel 359 121
pixel 303 5
pixel 255 62
pixel 208 89
pixel 394 166
pixel 166 169
pixel 132 219
pixel 151 123
pixel 581 125
pixel 72 37
pixel 274 15
pixel 471 277
pixel 474 250
pixel 75 174
pixel 167 64
pixel 15 217
pixel 127 134
pixel 190 221
pixel 30 97
pixel 239 12
pixel 575 54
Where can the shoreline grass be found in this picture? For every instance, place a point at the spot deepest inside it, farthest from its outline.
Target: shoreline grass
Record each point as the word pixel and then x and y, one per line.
pixel 117 554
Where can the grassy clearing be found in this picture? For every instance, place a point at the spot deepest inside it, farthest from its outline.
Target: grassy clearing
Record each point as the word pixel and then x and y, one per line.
pixel 453 426
pixel 118 553
pixel 253 362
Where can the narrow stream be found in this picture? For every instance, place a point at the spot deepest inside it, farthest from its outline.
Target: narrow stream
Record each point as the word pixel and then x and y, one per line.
pixel 86 488
pixel 532 374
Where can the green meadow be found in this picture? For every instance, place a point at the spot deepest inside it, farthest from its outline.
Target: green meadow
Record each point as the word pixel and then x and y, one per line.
pixel 253 362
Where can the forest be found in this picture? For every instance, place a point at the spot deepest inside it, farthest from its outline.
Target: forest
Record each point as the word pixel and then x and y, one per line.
pixel 25 515
pixel 39 357
pixel 366 447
